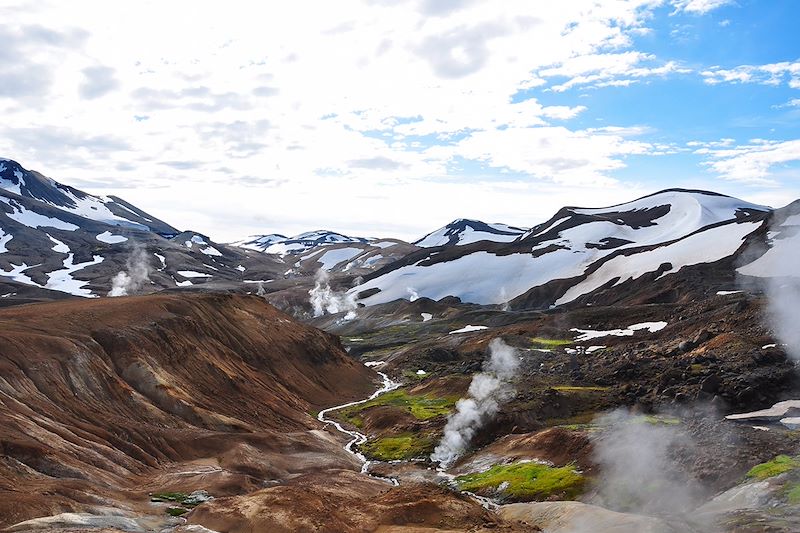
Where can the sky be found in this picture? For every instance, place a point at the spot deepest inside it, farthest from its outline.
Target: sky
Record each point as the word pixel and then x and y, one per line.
pixel 390 118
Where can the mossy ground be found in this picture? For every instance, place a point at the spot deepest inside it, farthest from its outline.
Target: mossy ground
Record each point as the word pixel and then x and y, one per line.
pixel 526 481
pixel 578 388
pixel 793 494
pixel 421 407
pixel 777 466
pixel 549 344
pixel 399 447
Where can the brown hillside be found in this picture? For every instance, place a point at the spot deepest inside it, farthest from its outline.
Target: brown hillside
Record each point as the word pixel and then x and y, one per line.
pixel 104 400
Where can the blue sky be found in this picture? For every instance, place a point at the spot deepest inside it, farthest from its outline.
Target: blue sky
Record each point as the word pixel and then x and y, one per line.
pixel 392 117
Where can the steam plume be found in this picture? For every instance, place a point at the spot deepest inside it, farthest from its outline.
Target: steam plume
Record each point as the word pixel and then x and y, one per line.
pixel 134 277
pixel 487 392
pixel 638 472
pixel 413 295
pixel 326 300
pixel 778 274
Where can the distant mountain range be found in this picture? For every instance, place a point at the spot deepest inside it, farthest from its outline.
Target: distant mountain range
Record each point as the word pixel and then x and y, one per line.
pixel 580 252
pixel 57 238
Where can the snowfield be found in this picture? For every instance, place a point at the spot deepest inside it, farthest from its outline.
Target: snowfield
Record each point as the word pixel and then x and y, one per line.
pixel 704 247
pixel 331 258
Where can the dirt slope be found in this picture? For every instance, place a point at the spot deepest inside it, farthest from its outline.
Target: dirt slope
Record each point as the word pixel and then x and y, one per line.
pixel 102 401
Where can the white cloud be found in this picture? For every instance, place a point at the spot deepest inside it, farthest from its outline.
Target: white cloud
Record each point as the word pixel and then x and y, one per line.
pixel 752 163
pixel 768 74
pixel 699 7
pixel 257 115
pixel 609 69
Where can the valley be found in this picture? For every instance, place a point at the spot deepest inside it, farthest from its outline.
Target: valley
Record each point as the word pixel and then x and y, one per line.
pixel 605 370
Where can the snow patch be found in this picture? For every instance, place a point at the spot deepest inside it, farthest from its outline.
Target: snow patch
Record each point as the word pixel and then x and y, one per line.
pixel 62 280
pixel 193 274
pixel 467 329
pixel 109 238
pixel 589 334
pixel 426 316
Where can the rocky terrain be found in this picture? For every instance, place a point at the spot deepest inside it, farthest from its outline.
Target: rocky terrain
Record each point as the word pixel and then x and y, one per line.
pixel 611 369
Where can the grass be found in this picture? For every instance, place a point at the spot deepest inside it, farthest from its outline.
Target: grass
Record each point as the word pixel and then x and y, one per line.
pixel 421 407
pixel 398 448
pixel 176 511
pixel 541 342
pixel 526 481
pixel 777 466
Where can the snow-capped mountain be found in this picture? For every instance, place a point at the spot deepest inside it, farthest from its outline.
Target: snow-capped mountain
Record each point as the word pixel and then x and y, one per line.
pixel 57 238
pixel 278 244
pixel 577 252
pixel 107 210
pixel 464 231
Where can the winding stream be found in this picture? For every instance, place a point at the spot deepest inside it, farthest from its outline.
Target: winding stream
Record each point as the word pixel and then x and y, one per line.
pixel 357 437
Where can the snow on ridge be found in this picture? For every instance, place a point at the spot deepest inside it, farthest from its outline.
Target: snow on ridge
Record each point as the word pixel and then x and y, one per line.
pixel 707 246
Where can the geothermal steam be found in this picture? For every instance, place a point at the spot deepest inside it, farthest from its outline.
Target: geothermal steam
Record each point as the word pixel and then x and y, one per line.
pixel 487 392
pixel 638 472
pixel 134 277
pixel 326 300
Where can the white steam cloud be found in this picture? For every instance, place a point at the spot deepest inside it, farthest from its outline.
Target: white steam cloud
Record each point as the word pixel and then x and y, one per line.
pixel 413 295
pixel 487 392
pixel 637 469
pixel 778 273
pixel 784 313
pixel 326 300
pixel 134 277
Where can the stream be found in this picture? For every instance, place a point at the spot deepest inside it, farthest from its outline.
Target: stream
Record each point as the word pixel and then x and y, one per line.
pixel 357 437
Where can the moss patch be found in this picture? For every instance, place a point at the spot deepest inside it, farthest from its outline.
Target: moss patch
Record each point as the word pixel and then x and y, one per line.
pixel 421 407
pixel 793 494
pixel 526 481
pixel 577 388
pixel 399 447
pixel 657 420
pixel 777 466
pixel 176 511
pixel 541 342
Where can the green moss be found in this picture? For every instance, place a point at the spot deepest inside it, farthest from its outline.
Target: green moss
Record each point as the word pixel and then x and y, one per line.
pixel 577 388
pixel 793 494
pixel 657 420
pixel 527 481
pixel 398 448
pixel 421 407
pixel 412 374
pixel 541 342
pixel 176 511
pixel 697 369
pixel 177 497
pixel 779 465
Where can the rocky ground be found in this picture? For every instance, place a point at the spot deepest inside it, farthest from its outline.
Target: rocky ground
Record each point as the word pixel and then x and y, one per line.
pixel 114 411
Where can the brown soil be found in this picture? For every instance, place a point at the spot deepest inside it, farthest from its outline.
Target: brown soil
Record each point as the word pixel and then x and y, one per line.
pixel 103 401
